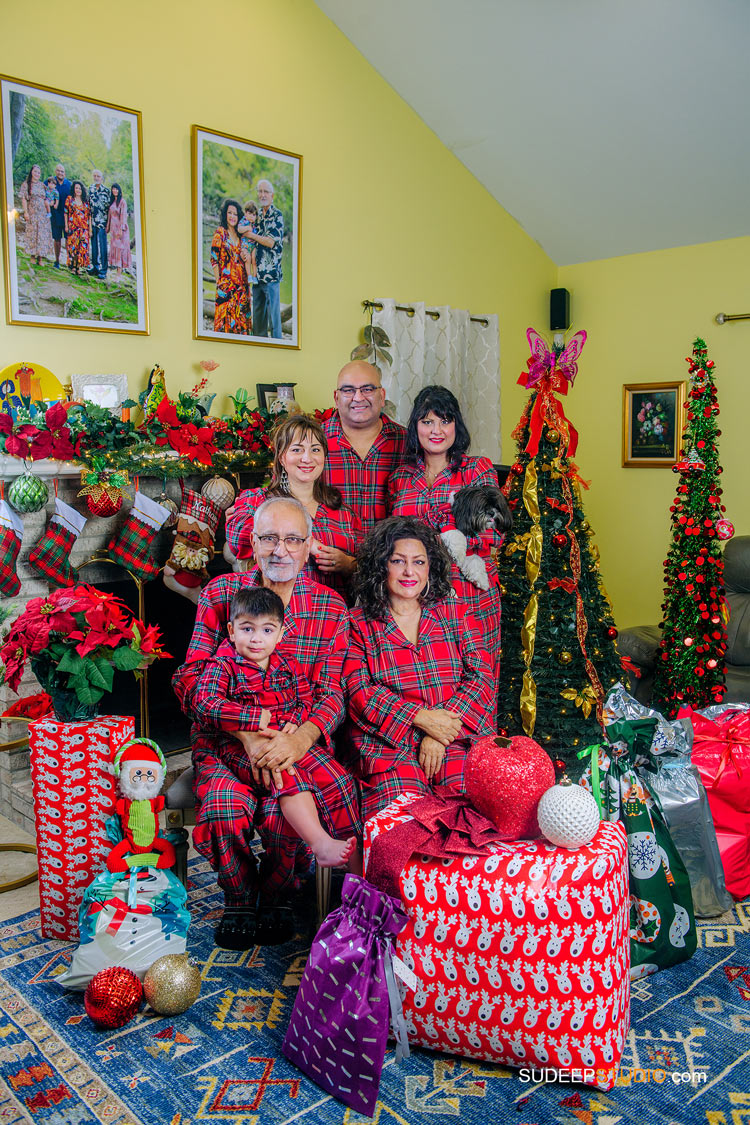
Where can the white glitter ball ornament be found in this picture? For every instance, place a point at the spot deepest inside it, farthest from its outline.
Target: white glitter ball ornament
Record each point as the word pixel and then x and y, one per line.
pixel 219 491
pixel 568 815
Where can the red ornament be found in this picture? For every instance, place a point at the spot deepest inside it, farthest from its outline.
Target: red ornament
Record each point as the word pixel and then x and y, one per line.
pixel 505 779
pixel 611 632
pixel 517 468
pixel 104 505
pixel 724 529
pixel 113 997
pixel 688 642
pixel 559 540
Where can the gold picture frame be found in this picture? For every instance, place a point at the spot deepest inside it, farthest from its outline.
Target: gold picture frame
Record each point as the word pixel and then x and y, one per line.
pixel 651 424
pixel 56 276
pixel 228 305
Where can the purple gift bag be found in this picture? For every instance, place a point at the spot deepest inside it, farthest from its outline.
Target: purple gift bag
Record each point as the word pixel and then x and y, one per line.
pixel 339 1027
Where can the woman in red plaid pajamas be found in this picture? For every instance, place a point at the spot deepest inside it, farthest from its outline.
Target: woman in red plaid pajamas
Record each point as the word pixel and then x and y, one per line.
pixel 418 679
pixel 435 468
pixel 300 449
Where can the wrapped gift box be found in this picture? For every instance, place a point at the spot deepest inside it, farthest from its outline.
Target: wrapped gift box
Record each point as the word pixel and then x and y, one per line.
pixel 74 793
pixel 522 956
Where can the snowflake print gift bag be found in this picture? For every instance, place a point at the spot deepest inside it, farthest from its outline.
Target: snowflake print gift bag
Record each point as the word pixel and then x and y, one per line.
pixel 662 922
pixel 339 1027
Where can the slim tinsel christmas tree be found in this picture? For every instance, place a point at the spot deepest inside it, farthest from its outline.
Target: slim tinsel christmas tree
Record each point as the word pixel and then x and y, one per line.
pixel 692 666
pixel 559 657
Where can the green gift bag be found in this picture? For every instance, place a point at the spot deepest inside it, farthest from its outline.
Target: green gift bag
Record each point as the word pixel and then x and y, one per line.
pixel 662 923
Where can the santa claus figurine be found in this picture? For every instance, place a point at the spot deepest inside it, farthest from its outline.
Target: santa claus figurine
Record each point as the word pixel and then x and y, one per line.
pixel 140 768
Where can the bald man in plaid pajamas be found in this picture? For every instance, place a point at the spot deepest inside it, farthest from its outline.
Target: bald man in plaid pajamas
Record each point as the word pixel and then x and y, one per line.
pixel 364 445
pixel 316 636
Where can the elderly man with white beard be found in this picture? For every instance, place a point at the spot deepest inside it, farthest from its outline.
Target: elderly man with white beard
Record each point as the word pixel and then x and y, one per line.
pixel 232 782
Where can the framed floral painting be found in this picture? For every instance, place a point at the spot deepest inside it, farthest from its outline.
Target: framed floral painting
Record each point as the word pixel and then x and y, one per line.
pixel 651 424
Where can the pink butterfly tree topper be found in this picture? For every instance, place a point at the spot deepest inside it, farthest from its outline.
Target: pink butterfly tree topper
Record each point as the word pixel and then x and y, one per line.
pixel 544 361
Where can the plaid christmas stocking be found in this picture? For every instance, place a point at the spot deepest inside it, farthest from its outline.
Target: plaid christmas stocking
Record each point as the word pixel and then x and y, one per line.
pixel 193 547
pixel 11 533
pixel 50 557
pixel 132 545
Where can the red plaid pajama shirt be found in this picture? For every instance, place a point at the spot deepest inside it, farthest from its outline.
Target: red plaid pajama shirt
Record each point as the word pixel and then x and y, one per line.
pixel 316 634
pixel 409 494
pixel 334 527
pixel 363 484
pixel 389 680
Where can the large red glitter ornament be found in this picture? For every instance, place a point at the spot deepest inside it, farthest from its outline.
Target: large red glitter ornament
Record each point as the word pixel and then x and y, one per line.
pixel 113 997
pixel 505 779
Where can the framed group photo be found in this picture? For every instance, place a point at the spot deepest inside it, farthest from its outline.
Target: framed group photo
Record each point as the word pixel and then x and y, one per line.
pixel 652 424
pixel 246 237
pixel 72 188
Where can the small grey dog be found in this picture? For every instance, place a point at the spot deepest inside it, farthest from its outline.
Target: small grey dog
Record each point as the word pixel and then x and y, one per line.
pixel 476 508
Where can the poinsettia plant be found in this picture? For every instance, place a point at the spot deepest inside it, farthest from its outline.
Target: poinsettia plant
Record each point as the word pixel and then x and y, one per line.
pixel 75 639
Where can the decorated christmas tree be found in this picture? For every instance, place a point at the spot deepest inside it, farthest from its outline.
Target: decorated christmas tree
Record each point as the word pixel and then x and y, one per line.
pixel 691 668
pixel 559 657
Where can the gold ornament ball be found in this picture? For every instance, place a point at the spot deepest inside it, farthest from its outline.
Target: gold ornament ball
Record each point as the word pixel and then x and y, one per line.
pixel 553 436
pixel 220 492
pixel 565 657
pixel 172 984
pixel 172 508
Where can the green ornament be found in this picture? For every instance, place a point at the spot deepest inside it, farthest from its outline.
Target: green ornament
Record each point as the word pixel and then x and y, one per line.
pixel 28 493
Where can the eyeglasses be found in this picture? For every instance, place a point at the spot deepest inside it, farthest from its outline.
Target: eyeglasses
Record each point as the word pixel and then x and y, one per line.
pixel 350 392
pixel 291 542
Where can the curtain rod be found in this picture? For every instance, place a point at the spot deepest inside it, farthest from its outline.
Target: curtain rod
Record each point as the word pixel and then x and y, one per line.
pixel 723 318
pixel 428 312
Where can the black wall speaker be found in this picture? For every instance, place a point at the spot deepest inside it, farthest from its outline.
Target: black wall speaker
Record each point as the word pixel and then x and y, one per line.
pixel 559 310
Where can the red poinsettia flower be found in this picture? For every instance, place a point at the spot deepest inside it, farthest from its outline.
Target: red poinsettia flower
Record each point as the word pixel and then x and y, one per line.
pixel 56 419
pixel 6 423
pixel 14 660
pixel 166 412
pixel 150 642
pixel 106 625
pixel 29 442
pixel 197 444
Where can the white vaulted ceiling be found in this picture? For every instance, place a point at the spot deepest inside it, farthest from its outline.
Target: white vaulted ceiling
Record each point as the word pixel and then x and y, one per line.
pixel 605 127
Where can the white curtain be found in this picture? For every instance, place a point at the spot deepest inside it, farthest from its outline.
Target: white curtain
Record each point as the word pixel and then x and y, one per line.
pixel 453 351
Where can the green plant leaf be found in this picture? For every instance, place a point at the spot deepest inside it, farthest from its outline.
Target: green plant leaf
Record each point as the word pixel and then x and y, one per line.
pixel 70 662
pixel 126 659
pixel 364 351
pixel 380 336
pixel 85 691
pixel 381 354
pixel 367 332
pixel 129 403
pixel 107 671
pixel 95 676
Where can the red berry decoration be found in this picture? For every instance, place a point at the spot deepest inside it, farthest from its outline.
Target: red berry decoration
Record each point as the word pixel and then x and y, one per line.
pixel 559 540
pixel 113 997
pixel 505 779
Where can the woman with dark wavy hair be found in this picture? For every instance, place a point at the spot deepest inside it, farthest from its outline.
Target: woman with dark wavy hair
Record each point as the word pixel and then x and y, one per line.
pixel 300 449
pixel 231 310
pixel 417 676
pixel 436 467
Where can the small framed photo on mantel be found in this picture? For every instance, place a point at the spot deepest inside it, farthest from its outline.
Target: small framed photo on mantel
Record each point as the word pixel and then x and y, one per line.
pixel 651 424
pixel 72 191
pixel 246 238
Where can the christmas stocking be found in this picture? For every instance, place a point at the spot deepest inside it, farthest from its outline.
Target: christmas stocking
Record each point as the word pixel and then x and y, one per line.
pixel 50 557
pixel 11 533
pixel 185 569
pixel 132 546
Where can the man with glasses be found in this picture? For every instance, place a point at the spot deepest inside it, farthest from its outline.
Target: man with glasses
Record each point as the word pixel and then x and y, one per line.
pixel 230 807
pixel 364 445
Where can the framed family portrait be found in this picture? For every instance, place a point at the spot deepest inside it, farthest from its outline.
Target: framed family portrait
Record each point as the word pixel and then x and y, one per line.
pixel 246 238
pixel 652 424
pixel 72 188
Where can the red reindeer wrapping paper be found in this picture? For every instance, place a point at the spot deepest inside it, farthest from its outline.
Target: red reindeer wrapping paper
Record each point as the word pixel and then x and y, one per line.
pixel 522 956
pixel 73 795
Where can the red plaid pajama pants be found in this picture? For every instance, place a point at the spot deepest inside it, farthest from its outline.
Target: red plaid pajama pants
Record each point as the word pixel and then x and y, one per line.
pixel 379 789
pixel 231 805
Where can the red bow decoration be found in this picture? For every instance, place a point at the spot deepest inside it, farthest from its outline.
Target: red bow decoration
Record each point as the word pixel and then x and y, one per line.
pixel 121 911
pixel 547 408
pixel 566 584
pixel 733 735
pixel 442 825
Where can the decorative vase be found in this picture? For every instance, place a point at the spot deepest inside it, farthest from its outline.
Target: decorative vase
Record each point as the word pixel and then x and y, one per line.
pixel 67 705
pixel 285 402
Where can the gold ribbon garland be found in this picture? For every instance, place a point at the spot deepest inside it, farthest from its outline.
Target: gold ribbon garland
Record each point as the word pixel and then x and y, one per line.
pixel 528 631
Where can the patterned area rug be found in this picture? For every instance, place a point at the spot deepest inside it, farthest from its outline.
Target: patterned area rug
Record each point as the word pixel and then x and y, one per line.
pixel 687 1058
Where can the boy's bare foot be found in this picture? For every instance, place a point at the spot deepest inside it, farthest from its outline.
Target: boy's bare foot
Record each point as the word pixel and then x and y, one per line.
pixel 334 853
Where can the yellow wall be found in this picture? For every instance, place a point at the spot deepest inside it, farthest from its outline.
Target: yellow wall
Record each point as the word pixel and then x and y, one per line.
pixel 642 313
pixel 386 208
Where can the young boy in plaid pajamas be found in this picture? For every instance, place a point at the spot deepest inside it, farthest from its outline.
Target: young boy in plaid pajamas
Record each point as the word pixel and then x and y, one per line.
pixel 250 684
